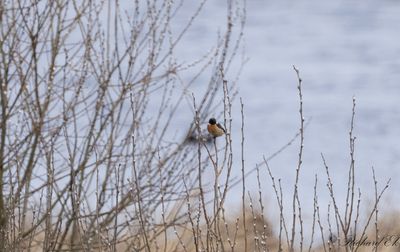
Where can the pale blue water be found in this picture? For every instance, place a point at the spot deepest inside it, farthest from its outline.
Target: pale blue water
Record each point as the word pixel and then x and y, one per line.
pixel 342 48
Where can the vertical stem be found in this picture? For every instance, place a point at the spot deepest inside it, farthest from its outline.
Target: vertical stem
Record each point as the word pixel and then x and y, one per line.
pixel 243 179
pixel 295 192
pixel 3 127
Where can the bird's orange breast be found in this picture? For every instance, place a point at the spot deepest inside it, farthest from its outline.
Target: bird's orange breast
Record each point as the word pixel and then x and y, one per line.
pixel 215 130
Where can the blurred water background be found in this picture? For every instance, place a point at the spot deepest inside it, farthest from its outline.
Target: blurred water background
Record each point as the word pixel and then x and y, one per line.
pixel 343 49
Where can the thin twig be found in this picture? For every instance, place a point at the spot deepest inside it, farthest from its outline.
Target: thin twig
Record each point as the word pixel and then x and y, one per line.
pixel 243 178
pixel 295 190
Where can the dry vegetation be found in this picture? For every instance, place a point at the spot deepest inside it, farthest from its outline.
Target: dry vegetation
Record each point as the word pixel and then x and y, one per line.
pixel 89 92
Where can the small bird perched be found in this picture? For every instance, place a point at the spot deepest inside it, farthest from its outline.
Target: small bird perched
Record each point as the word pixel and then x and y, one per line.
pixel 214 128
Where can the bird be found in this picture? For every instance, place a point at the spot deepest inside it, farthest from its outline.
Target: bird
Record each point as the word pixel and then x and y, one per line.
pixel 214 128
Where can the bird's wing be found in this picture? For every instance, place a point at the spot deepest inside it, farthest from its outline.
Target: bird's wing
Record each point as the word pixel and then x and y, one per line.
pixel 220 126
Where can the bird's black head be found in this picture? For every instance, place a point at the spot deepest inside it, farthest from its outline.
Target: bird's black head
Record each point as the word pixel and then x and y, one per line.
pixel 212 121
